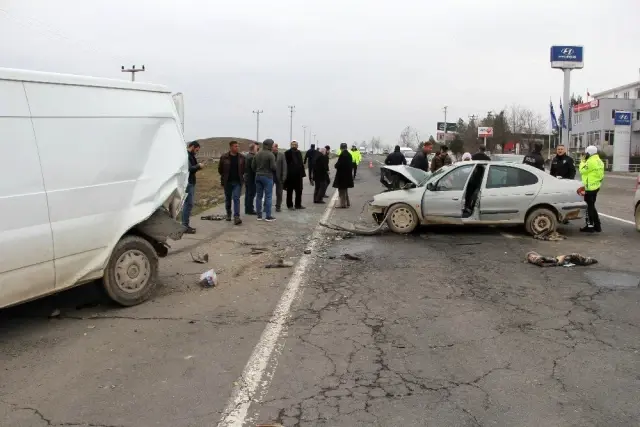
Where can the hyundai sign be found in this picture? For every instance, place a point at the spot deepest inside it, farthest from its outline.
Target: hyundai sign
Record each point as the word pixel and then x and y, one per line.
pixel 622 118
pixel 567 57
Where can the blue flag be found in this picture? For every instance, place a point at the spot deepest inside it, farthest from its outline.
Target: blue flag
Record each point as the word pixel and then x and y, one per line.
pixel 554 120
pixel 562 121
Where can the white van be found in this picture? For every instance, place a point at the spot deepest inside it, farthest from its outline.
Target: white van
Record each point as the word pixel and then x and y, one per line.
pixel 92 174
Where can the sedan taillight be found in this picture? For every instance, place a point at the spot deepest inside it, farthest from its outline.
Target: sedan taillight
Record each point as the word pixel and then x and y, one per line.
pixel 580 191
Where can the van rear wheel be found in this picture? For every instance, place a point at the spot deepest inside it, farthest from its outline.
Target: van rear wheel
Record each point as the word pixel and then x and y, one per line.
pixel 132 271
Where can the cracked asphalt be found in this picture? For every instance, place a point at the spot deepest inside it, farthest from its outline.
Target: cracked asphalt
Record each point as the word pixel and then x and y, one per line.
pixel 444 327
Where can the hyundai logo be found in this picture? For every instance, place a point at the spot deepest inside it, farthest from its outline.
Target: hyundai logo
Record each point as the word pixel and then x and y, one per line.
pixel 567 51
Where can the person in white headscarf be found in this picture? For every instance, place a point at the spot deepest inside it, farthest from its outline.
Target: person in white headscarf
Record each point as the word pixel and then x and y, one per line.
pixel 466 157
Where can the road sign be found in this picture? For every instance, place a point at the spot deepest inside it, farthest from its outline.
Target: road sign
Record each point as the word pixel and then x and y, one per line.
pixel 485 132
pixel 567 57
pixel 622 118
pixel 451 127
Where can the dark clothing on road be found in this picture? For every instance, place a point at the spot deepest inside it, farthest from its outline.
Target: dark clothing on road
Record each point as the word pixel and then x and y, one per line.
pixel 592 219
pixel 395 158
pixel 231 168
pixel 440 160
pixel 193 167
pixel 420 161
pixel 534 159
pixel 295 174
pixel 563 166
pixel 480 156
pixel 321 177
pixel 309 160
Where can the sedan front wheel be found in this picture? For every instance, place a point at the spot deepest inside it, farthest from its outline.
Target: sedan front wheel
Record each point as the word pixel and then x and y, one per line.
pixel 402 219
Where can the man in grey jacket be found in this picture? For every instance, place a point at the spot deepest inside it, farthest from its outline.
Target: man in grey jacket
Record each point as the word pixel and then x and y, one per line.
pixel 280 175
pixel 250 180
pixel 264 165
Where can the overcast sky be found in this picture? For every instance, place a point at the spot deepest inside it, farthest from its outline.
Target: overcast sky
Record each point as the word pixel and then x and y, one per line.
pixel 353 68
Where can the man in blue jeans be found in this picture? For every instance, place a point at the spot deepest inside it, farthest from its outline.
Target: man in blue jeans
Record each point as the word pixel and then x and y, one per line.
pixel 231 169
pixel 194 166
pixel 264 165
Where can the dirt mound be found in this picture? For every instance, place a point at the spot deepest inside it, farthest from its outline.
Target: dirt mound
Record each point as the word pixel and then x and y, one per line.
pixel 215 147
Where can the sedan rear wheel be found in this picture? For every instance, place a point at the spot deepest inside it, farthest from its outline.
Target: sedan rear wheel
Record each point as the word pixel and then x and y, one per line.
pixel 638 217
pixel 541 221
pixel 402 219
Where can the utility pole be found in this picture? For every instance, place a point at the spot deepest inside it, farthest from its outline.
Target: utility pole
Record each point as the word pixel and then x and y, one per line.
pixel 314 138
pixel 292 108
pixel 257 113
pixel 133 70
pixel 304 137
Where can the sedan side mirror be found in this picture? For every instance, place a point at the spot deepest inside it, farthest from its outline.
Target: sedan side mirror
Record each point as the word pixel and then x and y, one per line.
pixel 431 186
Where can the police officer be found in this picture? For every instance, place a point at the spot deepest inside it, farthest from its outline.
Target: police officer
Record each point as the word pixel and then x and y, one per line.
pixel 562 165
pixel 592 174
pixel 534 158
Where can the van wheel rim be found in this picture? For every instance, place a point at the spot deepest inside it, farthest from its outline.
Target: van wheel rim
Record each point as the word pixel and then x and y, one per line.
pixel 132 271
pixel 402 218
pixel 541 224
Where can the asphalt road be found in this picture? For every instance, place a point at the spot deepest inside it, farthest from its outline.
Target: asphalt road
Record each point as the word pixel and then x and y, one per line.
pixel 444 327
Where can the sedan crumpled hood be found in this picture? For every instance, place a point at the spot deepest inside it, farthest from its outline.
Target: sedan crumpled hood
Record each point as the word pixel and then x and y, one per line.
pixel 413 175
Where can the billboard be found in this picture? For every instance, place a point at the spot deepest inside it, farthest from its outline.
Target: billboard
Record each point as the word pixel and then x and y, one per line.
pixel 622 118
pixel 440 137
pixel 485 132
pixel 586 106
pixel 567 57
pixel 451 127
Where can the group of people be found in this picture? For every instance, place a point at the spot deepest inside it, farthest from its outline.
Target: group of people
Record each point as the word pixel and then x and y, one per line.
pixel 264 167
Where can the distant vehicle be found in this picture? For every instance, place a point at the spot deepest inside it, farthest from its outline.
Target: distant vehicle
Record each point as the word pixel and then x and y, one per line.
pixel 408 154
pixel 385 151
pixel 636 203
pixel 363 150
pixel 403 149
pixel 101 177
pixel 509 158
pixel 477 193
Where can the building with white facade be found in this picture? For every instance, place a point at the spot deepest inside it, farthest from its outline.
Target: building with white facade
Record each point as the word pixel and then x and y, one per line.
pixel 593 124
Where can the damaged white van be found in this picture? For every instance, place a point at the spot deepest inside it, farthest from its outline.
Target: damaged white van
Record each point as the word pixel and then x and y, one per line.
pixel 92 174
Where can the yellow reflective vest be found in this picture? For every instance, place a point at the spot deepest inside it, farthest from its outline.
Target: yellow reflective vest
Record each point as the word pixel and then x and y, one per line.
pixel 356 156
pixel 592 172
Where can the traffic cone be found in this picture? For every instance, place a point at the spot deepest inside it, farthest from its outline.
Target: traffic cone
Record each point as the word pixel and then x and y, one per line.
pixel 370 164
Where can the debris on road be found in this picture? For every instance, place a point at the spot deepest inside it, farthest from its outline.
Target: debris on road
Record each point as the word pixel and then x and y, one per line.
pixel 258 251
pixel 307 251
pixel 560 260
pixel 553 236
pixel 351 257
pixel 213 217
pixel 55 313
pixel 200 258
pixel 279 264
pixel 209 279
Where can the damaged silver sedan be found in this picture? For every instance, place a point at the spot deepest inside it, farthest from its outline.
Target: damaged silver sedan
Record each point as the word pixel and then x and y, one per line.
pixel 477 193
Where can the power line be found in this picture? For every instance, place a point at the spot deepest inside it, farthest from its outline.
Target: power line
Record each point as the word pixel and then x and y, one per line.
pixel 133 70
pixel 257 113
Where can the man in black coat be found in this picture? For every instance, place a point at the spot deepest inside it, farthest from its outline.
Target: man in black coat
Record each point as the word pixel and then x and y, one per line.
pixel 344 176
pixel 562 165
pixel 309 158
pixel 295 174
pixel 320 175
pixel 421 159
pixel 481 155
pixel 327 150
pixel 395 158
pixel 535 158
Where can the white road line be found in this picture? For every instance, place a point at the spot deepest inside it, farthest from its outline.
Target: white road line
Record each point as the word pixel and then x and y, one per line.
pixel 626 221
pixel 250 381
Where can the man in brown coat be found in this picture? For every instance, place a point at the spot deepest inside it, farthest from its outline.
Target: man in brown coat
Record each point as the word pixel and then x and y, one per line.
pixel 231 170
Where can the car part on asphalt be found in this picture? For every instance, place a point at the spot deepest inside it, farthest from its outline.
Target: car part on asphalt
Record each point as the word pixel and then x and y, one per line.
pixel 560 260
pixel 279 264
pixel 213 217
pixel 200 258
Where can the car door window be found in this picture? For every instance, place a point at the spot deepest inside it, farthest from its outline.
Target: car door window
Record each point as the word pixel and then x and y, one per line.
pixel 455 180
pixel 507 176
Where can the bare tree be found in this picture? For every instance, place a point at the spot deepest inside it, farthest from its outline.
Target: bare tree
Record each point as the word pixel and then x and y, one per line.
pixel 408 138
pixel 375 143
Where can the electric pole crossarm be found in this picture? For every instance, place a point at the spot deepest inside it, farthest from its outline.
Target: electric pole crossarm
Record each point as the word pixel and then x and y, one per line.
pixel 133 70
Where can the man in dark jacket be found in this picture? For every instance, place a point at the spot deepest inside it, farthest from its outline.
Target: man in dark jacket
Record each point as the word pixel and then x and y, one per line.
pixel 327 150
pixel 309 158
pixel 264 165
pixel 295 174
pixel 194 166
pixel 231 170
pixel 344 176
pixel 250 180
pixel 441 159
pixel 395 158
pixel 280 175
pixel 534 158
pixel 320 175
pixel 481 155
pixel 421 159
pixel 562 165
